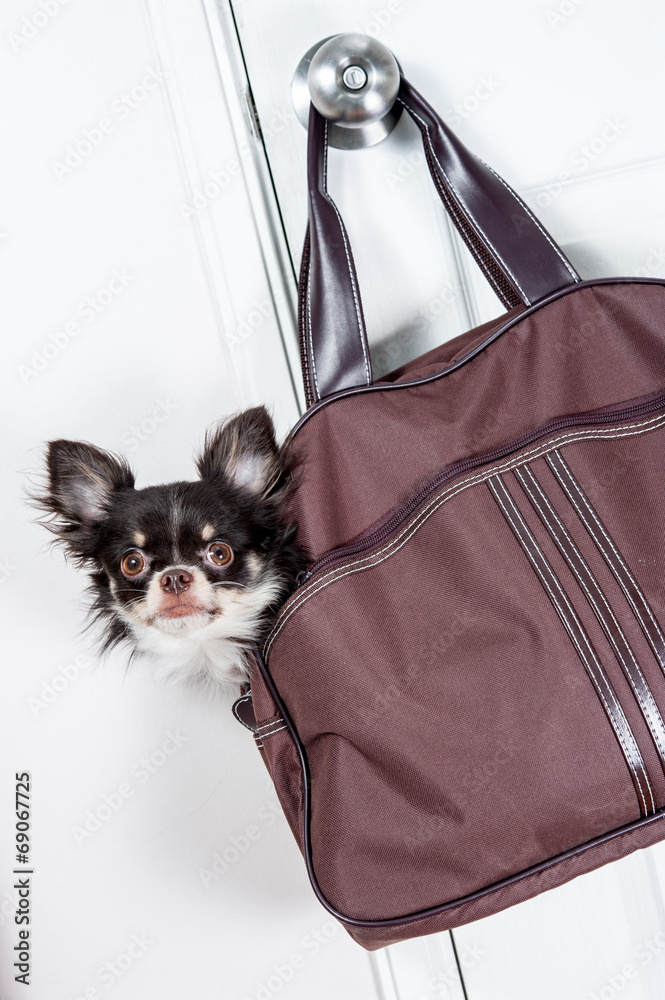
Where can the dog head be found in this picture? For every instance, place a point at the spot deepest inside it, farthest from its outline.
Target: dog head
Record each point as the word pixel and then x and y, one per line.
pixel 189 571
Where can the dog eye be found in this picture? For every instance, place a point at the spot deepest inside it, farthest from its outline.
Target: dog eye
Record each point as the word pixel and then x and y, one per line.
pixel 219 554
pixel 132 563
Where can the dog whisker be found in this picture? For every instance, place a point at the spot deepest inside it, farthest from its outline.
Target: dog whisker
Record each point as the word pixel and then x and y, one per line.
pixel 133 603
pixel 126 590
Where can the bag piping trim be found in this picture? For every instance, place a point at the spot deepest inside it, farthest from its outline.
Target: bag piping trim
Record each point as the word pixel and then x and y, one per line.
pixel 470 355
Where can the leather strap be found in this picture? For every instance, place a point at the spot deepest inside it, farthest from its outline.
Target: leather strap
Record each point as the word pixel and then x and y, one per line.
pixel 333 343
pixel 581 642
pixel 519 258
pixel 599 604
pixel 611 555
pixel 516 254
pixel 243 710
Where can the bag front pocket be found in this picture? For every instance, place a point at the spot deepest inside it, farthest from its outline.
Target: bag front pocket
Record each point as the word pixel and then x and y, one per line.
pixel 465 715
pixel 582 583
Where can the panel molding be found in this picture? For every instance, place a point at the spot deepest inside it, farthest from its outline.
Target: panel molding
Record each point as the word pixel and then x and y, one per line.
pixel 260 374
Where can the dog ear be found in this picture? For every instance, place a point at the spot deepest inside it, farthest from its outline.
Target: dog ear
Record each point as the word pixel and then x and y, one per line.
pixel 81 481
pixel 243 449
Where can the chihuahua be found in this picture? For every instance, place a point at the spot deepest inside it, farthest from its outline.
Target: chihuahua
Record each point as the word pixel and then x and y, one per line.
pixel 190 573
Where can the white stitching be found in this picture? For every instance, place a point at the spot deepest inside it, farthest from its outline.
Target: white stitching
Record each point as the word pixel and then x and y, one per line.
pixel 435 503
pixel 268 725
pixel 577 646
pixel 234 707
pixel 627 752
pixel 616 552
pixel 533 218
pixel 582 559
pixel 325 157
pixel 535 482
pixel 482 236
pixel 264 736
pixel 309 325
pixel 649 708
pixel 361 325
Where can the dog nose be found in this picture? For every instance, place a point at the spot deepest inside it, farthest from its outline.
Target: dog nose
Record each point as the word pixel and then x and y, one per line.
pixel 175 581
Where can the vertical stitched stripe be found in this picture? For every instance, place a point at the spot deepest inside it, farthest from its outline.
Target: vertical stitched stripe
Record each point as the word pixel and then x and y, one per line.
pixel 610 554
pixel 581 643
pixel 599 604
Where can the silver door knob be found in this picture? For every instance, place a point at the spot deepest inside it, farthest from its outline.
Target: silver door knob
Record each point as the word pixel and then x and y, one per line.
pixel 352 80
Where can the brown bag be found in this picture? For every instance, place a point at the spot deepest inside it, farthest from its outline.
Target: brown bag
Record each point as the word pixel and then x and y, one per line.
pixel 460 705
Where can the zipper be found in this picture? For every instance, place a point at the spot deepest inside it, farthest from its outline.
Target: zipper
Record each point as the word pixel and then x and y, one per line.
pixel 381 530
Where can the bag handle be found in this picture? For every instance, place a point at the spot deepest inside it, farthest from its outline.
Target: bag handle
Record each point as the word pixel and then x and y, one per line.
pixel 517 256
